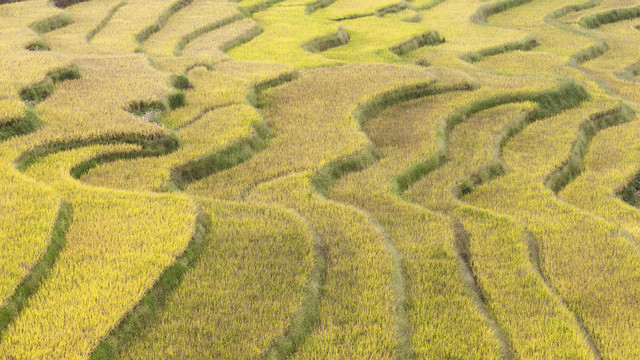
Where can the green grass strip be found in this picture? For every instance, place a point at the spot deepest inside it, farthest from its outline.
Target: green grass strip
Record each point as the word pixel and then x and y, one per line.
pixel 234 154
pixel 45 88
pixel 152 145
pixel 138 318
pixel 600 47
pixel 65 3
pixel 242 39
pixel 185 40
pixel 323 43
pixel 162 20
pixel 431 5
pixel 30 284
pixel 430 38
pixel 91 34
pixel 250 10
pixel 525 44
pixel 52 23
pixel 317 5
pixel 593 21
pixel 483 12
pixel 30 123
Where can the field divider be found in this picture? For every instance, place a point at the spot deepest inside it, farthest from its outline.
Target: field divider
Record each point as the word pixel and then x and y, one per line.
pixel 600 47
pixel 152 145
pixel 596 20
pixel 326 42
pixel 10 310
pixel 429 38
pixel 535 257
pixel 234 154
pixel 43 89
pixel 525 44
pixel 29 123
pixel 250 10
pixel 485 11
pixel 574 165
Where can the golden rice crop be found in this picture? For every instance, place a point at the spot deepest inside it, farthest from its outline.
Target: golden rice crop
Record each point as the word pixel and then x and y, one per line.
pixel 119 35
pixel 197 14
pixel 610 164
pixel 242 292
pixel 604 262
pixel 11 111
pixel 74 37
pixel 310 117
pixel 355 319
pixel 106 265
pixel 212 132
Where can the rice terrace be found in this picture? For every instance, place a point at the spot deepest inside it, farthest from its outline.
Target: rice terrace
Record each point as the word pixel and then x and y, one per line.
pixel 319 179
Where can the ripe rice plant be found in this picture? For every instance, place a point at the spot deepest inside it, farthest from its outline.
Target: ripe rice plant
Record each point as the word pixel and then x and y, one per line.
pixel 319 179
pixel 90 270
pixel 557 227
pixel 256 261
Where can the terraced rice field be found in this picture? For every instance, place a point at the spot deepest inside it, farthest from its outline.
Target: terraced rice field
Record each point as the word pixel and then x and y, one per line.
pixel 328 179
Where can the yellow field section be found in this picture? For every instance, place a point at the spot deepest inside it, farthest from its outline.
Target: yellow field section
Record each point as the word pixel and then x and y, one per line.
pixel 87 18
pixel 212 132
pixel 119 35
pixel 28 213
pixel 529 311
pixel 319 179
pixel 522 304
pixel 96 104
pixel 210 42
pixel 286 29
pixel 312 123
pixel 436 293
pixel 341 9
pixel 435 191
pixel 242 292
pixel 355 316
pixel 11 110
pixel 22 69
pixel 211 89
pixel 196 15
pixel 15 19
pixel 605 265
pixel 106 265
pixel 452 20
